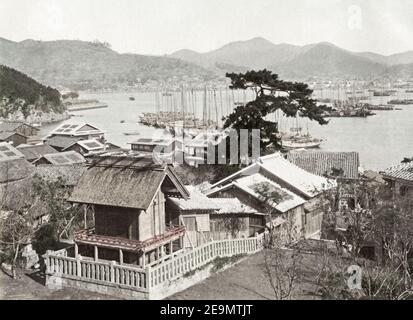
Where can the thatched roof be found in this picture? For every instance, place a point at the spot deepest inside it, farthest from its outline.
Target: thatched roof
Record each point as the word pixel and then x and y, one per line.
pixel 69 174
pixel 124 182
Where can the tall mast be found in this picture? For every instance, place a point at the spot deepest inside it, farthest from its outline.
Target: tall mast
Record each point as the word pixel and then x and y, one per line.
pixel 204 111
pixel 216 108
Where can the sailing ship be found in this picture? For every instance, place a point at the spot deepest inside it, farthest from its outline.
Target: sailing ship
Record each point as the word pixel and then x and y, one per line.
pixel 296 139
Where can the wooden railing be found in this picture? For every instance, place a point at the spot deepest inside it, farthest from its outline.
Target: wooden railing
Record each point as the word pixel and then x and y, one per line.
pixel 136 278
pixel 99 272
pixel 200 256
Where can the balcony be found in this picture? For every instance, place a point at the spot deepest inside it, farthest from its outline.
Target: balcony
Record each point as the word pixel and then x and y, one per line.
pixel 88 237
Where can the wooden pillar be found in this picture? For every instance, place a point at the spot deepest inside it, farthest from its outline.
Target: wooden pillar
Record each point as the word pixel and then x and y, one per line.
pixel 171 248
pixel 76 250
pixel 96 253
pixel 143 259
pixel 85 216
pixel 181 243
pixel 120 256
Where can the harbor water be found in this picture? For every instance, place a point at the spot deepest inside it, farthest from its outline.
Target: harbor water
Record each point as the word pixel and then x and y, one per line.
pixel 382 140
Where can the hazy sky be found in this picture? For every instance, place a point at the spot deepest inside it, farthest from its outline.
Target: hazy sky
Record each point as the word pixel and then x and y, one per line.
pixel 163 26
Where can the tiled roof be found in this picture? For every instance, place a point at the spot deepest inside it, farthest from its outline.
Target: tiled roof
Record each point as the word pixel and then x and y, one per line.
pixel 6 134
pixel 9 153
pixel 37 151
pixel 232 206
pixel 323 163
pixel 63 158
pixel 285 173
pixel 12 126
pixel 75 129
pixel 196 201
pixel 281 198
pixel 304 181
pixel 402 171
pixel 61 141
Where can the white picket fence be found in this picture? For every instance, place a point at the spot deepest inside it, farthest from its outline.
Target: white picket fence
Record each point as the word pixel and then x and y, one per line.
pixel 143 280
pixel 200 256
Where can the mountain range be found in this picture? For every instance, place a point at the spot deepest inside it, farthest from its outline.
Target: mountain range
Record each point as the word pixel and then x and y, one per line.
pixel 86 65
pixel 291 61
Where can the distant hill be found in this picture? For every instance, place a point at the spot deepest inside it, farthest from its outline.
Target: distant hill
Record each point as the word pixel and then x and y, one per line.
pixel 320 59
pixel 80 65
pixel 256 53
pixel 85 65
pixel 20 93
pixel 325 59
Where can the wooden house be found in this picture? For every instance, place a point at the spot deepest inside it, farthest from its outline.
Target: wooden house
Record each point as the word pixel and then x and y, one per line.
pixel 340 166
pixel 15 177
pixel 207 219
pixel 165 147
pixel 19 127
pixel 87 147
pixel 60 143
pixel 84 131
pixel 277 186
pixel 195 214
pixel 126 196
pixel 400 179
pixel 60 158
pixel 204 148
pixel 13 138
pixel 35 152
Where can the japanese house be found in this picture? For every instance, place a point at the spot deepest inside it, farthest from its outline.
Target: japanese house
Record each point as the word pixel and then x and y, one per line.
pixel 126 196
pixel 35 152
pixel 164 147
pixel 60 143
pixel 208 219
pixel 19 127
pixel 276 187
pixel 84 131
pixel 88 147
pixel 340 166
pixel 60 158
pixel 400 179
pixel 15 176
pixel 13 138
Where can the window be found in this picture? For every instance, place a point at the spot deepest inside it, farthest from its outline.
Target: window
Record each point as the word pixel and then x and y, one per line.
pixel 403 191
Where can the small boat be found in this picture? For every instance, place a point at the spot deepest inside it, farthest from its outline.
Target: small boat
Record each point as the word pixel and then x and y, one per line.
pixel 301 143
pixel 122 121
pixel 131 133
pixel 401 102
pixel 132 98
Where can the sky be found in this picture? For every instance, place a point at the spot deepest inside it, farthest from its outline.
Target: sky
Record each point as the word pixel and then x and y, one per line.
pixel 161 27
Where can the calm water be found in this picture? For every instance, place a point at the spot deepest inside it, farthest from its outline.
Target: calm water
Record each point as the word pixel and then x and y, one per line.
pixel 382 140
